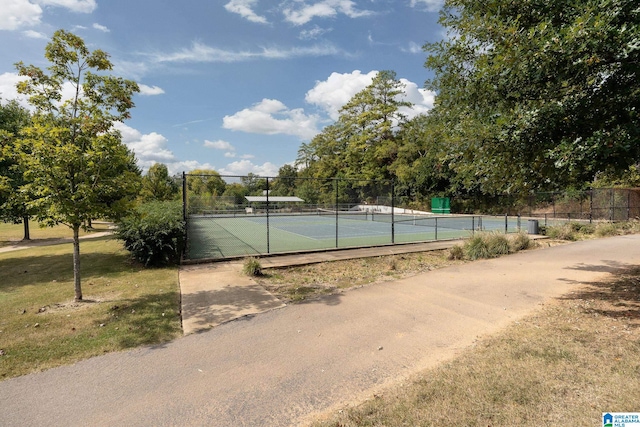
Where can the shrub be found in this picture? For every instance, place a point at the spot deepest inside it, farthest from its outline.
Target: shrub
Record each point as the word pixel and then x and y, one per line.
pixel 498 244
pixel 476 248
pixel 252 267
pixel 456 252
pixel 154 233
pixel 605 229
pixel 520 242
pixel 561 232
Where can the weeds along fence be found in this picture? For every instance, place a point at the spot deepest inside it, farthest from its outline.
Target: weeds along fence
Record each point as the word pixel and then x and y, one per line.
pixel 237 216
pixel 602 204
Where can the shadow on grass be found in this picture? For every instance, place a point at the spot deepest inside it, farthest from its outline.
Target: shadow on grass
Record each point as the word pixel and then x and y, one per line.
pixel 620 294
pixel 54 263
pixel 150 320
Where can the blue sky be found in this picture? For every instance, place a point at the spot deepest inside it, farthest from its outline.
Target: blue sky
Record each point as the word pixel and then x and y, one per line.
pixel 231 85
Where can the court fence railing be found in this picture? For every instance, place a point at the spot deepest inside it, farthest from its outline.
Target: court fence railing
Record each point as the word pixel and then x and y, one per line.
pixel 293 215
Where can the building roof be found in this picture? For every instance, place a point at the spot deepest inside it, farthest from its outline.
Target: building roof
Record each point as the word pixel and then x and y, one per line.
pixel 273 199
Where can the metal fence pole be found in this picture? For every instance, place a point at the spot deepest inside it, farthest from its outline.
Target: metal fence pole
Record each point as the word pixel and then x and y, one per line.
pixel 393 209
pixel 268 236
pixel 506 223
pixel 184 214
pixel 335 183
pixel 436 228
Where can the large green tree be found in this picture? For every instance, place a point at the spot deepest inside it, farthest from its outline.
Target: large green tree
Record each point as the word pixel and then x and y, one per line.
pixel 78 168
pixel 13 198
pixel 538 95
pixel 157 185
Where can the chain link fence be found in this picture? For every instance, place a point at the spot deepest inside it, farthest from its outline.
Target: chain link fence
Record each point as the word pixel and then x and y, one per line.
pixel 238 216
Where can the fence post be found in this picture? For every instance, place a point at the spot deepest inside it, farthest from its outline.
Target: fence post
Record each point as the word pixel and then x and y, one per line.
pixel 268 236
pixel 335 182
pixel 184 214
pixel 436 228
pixel 506 223
pixel 591 207
pixel 393 210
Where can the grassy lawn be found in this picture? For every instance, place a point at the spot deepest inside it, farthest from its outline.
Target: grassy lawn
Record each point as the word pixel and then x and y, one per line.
pixel 565 365
pixel 13 233
pixel 41 326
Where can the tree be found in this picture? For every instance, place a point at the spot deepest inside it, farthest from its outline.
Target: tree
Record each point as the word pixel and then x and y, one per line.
pixel 539 95
pixel 205 182
pixel 370 119
pixel 13 201
pixel 78 168
pixel 286 182
pixel 157 185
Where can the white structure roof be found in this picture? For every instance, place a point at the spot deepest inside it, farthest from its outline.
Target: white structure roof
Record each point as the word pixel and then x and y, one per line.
pixel 273 199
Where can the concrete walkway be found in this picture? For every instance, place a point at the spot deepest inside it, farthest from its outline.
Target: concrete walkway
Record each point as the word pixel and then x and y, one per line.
pixel 284 366
pixel 216 293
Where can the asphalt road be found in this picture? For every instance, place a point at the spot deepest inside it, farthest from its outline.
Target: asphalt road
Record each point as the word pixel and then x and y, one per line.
pixel 285 366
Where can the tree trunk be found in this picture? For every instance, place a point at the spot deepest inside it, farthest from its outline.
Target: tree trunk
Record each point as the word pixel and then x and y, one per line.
pixel 76 262
pixel 25 223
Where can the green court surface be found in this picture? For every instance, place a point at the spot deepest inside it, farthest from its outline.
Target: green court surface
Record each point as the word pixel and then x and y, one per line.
pixel 216 237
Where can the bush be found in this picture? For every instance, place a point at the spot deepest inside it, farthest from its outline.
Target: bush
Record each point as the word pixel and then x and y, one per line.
pixel 154 233
pixel 498 244
pixel 605 229
pixel 520 242
pixel 476 248
pixel 252 267
pixel 456 252
pixel 562 232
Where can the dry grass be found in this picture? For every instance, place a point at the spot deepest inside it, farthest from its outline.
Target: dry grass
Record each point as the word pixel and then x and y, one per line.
pixel 565 365
pixel 294 284
pixel 41 326
pixel 13 233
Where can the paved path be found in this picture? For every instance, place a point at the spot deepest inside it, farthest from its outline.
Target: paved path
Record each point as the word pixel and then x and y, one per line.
pixel 216 293
pixel 280 367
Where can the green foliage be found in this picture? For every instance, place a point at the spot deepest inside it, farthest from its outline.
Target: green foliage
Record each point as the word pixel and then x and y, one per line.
pixel 205 182
pixel 520 242
pixel 561 232
pixel 363 142
pixel 158 185
pixel 252 267
pixel 74 161
pixel 13 200
pixel 606 229
pixel 486 245
pixel 537 95
pixel 456 252
pixel 155 233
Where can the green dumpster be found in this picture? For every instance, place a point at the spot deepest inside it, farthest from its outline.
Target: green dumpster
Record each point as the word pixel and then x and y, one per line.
pixel 440 205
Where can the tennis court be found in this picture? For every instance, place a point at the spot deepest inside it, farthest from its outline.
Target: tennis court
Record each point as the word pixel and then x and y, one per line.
pixel 229 236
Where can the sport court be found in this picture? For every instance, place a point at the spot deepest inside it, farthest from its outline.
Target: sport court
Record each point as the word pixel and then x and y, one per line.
pixel 245 234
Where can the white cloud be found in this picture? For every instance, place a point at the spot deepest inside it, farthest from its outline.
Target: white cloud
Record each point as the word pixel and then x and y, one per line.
pixel 152 148
pixel 24 13
pixel 8 89
pixel 428 5
pixel 199 52
pixel 149 148
pixel 19 13
pixel 337 90
pixel 101 28
pixel 243 167
pixel 35 35
pixel 271 117
pixel 422 99
pixel 150 90
pixel 413 48
pixel 302 13
pixel 81 6
pixel 244 8
pixel 219 145
pixel 314 33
